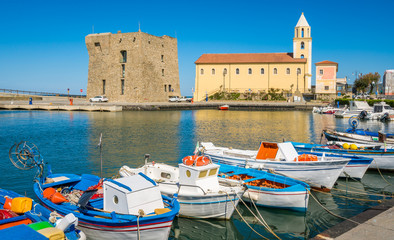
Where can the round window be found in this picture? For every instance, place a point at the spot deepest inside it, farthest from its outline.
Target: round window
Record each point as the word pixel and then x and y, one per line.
pixel 188 173
pixel 116 200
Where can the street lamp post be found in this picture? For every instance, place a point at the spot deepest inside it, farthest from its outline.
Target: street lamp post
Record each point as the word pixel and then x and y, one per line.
pixel 224 79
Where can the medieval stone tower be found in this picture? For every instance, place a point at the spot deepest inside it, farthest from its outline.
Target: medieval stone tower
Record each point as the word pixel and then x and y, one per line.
pixel 302 46
pixel 132 67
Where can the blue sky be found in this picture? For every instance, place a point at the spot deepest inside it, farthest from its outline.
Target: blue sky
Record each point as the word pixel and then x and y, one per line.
pixel 42 43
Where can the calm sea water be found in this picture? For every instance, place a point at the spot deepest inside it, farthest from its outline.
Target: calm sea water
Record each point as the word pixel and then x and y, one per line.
pixel 68 141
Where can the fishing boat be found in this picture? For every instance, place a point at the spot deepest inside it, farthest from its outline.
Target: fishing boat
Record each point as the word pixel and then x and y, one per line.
pixel 224 107
pixel 123 208
pixel 377 156
pixel 354 109
pixel 267 189
pixel 195 181
pixel 357 166
pixel 22 218
pixel 282 158
pixel 381 111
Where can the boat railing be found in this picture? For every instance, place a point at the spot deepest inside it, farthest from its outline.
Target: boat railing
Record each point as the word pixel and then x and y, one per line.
pixel 185 185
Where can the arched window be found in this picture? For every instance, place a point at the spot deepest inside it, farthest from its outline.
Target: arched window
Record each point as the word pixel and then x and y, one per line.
pixel 202 71
pixel 262 71
pixel 237 71
pixel 302 45
pixel 298 71
pixel 287 70
pixel 302 55
pixel 250 71
pixel 275 71
pixel 225 71
pixel 213 71
pixel 297 32
pixel 302 32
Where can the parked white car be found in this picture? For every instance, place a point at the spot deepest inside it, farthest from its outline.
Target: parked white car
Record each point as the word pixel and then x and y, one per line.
pixel 174 99
pixel 185 99
pixel 98 99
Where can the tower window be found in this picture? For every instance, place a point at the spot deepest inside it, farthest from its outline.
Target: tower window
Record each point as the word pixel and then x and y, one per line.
pixel 262 71
pixel 302 33
pixel 321 71
pixel 123 70
pixel 302 55
pixel 287 70
pixel 302 45
pixel 103 86
pixel 162 72
pixel 250 71
pixel 124 56
pixel 213 71
pixel 297 33
pixel 237 71
pixel 298 71
pixel 202 71
pixel 275 71
pixel 169 88
pixel 162 58
pixel 121 86
pixel 165 87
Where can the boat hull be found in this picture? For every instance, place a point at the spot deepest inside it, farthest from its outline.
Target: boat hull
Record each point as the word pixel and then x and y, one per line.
pixel 296 201
pixel 319 174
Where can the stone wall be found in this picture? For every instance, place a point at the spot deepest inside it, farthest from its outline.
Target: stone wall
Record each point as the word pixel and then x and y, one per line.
pixel 150 68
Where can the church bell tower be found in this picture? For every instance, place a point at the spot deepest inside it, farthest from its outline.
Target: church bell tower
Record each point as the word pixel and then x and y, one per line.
pixel 302 47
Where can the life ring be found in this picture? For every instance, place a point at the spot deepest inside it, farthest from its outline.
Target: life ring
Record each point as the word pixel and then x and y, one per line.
pixel 196 160
pixel 306 158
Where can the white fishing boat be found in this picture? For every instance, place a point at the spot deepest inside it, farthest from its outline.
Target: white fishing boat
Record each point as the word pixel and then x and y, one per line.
pixel 195 180
pixel 354 109
pixel 381 111
pixel 282 158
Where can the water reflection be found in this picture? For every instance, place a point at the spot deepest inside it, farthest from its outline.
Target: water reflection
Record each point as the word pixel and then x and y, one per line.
pixel 68 141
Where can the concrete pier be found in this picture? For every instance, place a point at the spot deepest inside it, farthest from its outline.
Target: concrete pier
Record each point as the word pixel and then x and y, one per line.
pixel 375 223
pixel 49 107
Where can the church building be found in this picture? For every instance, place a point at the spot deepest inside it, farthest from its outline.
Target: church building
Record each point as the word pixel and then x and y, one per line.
pixel 258 72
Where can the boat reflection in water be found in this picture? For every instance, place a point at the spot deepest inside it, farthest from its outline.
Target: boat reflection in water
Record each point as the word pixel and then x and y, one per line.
pixel 187 228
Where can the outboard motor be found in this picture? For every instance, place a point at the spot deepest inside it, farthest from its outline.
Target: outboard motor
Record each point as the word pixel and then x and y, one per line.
pixel 362 114
pixel 385 117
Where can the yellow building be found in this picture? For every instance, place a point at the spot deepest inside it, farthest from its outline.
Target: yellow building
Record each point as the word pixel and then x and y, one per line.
pixel 258 72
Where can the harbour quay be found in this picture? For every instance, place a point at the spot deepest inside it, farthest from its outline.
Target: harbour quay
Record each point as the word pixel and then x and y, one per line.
pixel 81 104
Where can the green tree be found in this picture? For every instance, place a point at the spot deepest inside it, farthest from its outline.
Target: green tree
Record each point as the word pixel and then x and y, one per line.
pixel 367 80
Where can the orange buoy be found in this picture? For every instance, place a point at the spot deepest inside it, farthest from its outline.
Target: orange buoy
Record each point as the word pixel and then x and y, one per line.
pixel 7 203
pixel 306 157
pixel 58 198
pixel 196 160
pixel 47 193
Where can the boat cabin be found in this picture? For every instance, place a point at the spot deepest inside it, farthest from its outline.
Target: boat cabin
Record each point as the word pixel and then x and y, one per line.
pixel 129 195
pixel 381 107
pixel 205 177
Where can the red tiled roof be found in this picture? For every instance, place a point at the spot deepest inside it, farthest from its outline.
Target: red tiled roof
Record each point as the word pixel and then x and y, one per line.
pixel 249 58
pixel 326 62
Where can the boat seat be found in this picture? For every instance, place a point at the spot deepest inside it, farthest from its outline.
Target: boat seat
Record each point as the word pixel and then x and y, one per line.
pixel 65 180
pixel 86 181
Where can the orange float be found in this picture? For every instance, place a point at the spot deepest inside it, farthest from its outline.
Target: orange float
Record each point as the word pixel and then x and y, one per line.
pixel 7 203
pixel 305 158
pixel 196 160
pixel 58 198
pixel 47 193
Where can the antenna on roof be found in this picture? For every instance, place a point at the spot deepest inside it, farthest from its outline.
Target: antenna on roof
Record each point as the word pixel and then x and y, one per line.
pixel 139 26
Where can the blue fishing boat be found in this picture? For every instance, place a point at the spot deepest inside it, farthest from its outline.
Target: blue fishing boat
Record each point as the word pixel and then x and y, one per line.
pixel 22 218
pixel 267 189
pixel 361 157
pixel 124 208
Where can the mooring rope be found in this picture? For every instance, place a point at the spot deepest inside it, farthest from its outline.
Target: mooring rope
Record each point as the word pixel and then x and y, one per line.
pixel 245 220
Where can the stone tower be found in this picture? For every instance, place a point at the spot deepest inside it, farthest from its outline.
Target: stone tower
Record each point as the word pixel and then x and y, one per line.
pixel 302 46
pixel 132 67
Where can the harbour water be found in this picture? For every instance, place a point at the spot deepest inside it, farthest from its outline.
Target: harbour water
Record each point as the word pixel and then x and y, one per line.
pixel 68 142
